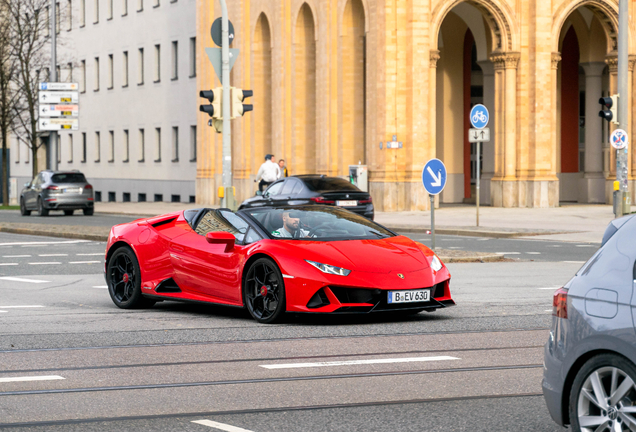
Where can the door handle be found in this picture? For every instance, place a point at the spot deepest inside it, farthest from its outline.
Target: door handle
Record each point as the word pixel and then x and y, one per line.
pixel 178 248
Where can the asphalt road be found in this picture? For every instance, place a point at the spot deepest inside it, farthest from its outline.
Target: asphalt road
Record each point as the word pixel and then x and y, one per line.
pixel 57 217
pixel 476 366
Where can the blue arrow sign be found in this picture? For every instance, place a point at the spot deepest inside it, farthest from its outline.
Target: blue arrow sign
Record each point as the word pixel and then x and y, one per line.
pixel 434 176
pixel 479 116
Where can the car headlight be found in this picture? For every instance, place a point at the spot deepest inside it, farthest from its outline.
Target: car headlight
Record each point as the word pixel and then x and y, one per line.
pixel 329 269
pixel 436 264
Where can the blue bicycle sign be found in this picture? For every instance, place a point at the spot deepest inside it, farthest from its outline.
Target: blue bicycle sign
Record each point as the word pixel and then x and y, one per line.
pixel 479 116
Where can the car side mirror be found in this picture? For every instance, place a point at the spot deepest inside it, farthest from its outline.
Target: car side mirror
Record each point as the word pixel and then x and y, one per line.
pixel 221 237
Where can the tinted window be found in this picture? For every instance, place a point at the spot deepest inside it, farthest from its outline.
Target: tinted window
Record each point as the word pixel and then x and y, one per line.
pixel 38 180
pixel 68 178
pixel 326 184
pixel 288 187
pixel 213 221
pixel 298 186
pixel 274 189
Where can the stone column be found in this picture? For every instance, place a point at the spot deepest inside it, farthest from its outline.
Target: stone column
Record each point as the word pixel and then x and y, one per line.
pixel 432 106
pixel 488 149
pixel 592 185
pixel 556 58
pixel 631 162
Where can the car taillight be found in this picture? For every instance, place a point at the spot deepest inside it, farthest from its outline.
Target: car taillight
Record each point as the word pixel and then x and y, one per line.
pixel 560 303
pixel 321 200
pixel 88 187
pixel 366 201
pixel 52 188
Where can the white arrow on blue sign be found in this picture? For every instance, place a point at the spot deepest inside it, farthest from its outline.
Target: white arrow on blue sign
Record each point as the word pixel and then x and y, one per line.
pixel 434 176
pixel 479 116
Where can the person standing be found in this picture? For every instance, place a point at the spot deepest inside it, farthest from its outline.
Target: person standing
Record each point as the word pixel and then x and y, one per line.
pixel 268 173
pixel 283 168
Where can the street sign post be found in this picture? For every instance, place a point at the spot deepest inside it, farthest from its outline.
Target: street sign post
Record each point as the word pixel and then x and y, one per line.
pixel 59 86
pixel 59 110
pixel 58 97
pixel 434 180
pixel 57 124
pixel 479 118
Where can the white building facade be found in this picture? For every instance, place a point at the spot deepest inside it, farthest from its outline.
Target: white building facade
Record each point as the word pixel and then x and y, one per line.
pixel 136 64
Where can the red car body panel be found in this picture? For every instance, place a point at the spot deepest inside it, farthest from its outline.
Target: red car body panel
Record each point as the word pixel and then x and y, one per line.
pixel 168 248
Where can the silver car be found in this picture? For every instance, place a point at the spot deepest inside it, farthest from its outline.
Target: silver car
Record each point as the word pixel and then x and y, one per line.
pixel 590 358
pixel 57 190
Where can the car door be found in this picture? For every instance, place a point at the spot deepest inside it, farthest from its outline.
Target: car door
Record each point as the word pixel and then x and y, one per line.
pixel 30 196
pixel 285 194
pixel 207 269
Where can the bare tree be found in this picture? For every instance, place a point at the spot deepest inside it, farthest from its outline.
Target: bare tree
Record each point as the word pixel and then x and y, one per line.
pixel 28 22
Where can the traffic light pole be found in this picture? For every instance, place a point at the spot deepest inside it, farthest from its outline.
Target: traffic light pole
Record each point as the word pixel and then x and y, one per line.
pixel 228 196
pixel 52 163
pixel 621 154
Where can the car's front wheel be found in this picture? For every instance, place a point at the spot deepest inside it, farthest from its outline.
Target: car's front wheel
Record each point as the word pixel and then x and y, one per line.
pixel 23 209
pixel 603 396
pixel 124 280
pixel 88 211
pixel 264 291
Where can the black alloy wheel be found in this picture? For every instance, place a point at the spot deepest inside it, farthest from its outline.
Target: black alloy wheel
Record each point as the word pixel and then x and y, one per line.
pixel 23 209
pixel 68 212
pixel 41 210
pixel 124 280
pixel 264 291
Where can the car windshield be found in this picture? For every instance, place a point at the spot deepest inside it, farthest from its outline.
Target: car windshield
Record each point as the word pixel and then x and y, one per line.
pixel 68 178
pixel 318 223
pixel 327 184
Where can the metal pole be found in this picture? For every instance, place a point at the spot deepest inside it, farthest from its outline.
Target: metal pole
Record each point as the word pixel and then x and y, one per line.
pixel 433 220
pixel 623 96
pixel 227 132
pixel 53 78
pixel 477 192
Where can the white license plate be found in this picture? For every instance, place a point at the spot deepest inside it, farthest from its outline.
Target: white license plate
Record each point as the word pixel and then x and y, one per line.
pixel 410 296
pixel 352 203
pixel 71 190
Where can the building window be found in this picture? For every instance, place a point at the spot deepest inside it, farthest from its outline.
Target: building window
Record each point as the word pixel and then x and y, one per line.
pixel 112 197
pixel 69 76
pixel 69 15
pixel 175 144
pixel 140 79
pixel 47 29
pixel 142 144
pixel 111 146
pixel 158 197
pixel 96 74
pixel 156 3
pixel 193 143
pixel 140 5
pixel 126 197
pixel 193 57
pixel 126 146
pixel 125 69
pixel 98 145
pixel 157 63
pixel 70 148
pixel 175 198
pixel 58 73
pixel 193 199
pixel 83 76
pixel 124 7
pixel 109 16
pixel 141 197
pixel 82 13
pixel 157 144
pixel 96 10
pixel 110 72
pixel 98 196
pixel 83 147
pixel 175 60
pixel 58 21
pixel 58 149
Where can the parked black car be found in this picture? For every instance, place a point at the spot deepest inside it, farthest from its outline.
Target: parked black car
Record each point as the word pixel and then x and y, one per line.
pixel 314 189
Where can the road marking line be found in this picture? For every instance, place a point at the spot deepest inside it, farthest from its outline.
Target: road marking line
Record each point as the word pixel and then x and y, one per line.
pixel 32 378
pixel 8 264
pixel 550 288
pixel 15 279
pixel 91 254
pixel 101 286
pixel 508 253
pixel 43 243
pixel 84 262
pixel 574 262
pixel 19 307
pixel 533 253
pixel 45 263
pixel 220 426
pixel 358 362
pixel 548 310
pixel 52 255
pixel 585 246
pixel 3 311
pixel 16 256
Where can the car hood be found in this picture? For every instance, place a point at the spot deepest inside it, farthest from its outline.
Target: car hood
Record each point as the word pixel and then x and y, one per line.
pixel 373 256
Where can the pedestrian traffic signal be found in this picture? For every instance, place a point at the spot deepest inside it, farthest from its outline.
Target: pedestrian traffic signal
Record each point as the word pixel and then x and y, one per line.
pixel 610 108
pixel 215 97
pixel 238 108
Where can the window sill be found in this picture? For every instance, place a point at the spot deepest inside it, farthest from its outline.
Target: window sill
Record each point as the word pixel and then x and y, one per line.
pixel 141 160
pixel 156 81
pixel 111 161
pixel 193 160
pixel 83 161
pixel 82 26
pixel 110 88
pixel 157 160
pixel 96 90
pixel 124 86
pixel 175 160
pixel 193 76
pixel 97 161
pixel 125 161
pixel 174 78
pixel 140 84
pixel 69 161
pixel 109 19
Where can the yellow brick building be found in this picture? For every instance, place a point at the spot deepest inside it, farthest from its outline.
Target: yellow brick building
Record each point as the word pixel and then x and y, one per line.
pixel 335 80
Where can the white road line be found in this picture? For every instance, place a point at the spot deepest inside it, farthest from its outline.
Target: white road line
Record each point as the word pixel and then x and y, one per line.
pixel 45 263
pixel 20 307
pixel 550 288
pixel 91 254
pixel 220 426
pixel 32 378
pixel 585 246
pixel 43 243
pixel 84 262
pixel 533 253
pixel 358 362
pixel 548 310
pixel 574 262
pixel 508 253
pixel 15 279
pixel 16 256
pixel 52 255
pixel 3 311
pixel 101 286
pixel 8 264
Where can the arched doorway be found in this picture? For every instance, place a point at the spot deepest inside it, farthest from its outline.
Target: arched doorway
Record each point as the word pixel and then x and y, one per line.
pixel 262 52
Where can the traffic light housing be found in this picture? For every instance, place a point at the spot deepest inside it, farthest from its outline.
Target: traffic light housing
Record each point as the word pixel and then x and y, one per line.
pixel 237 107
pixel 215 108
pixel 609 111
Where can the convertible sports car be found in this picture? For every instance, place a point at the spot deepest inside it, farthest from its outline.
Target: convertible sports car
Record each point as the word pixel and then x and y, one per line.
pixel 313 259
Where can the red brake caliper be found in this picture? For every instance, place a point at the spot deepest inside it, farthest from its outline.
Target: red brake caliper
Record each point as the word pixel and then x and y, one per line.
pixel 263 291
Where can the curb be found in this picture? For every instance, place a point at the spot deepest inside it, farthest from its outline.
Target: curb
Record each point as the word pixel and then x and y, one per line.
pixel 69 235
pixel 474 259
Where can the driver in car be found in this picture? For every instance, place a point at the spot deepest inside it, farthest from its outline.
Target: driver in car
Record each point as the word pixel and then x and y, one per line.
pixel 291 227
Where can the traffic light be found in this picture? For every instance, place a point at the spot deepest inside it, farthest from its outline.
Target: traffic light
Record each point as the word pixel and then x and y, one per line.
pixel 215 108
pixel 610 108
pixel 237 107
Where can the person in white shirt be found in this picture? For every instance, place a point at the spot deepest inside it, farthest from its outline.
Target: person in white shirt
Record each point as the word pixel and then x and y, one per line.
pixel 268 173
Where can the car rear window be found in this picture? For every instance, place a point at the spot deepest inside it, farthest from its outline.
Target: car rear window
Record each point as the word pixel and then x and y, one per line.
pixel 68 178
pixel 324 184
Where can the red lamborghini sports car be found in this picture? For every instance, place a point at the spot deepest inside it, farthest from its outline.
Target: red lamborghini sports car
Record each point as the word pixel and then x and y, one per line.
pixel 316 259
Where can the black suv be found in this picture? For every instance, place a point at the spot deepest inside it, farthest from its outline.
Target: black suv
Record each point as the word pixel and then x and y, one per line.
pixel 57 190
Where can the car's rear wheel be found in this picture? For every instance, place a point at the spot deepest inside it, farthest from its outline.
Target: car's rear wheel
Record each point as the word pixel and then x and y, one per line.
pixel 603 395
pixel 124 280
pixel 68 212
pixel 264 291
pixel 41 210
pixel 88 211
pixel 23 209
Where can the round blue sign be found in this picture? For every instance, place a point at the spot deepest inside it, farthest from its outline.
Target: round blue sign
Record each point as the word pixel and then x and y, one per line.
pixel 434 176
pixel 479 116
